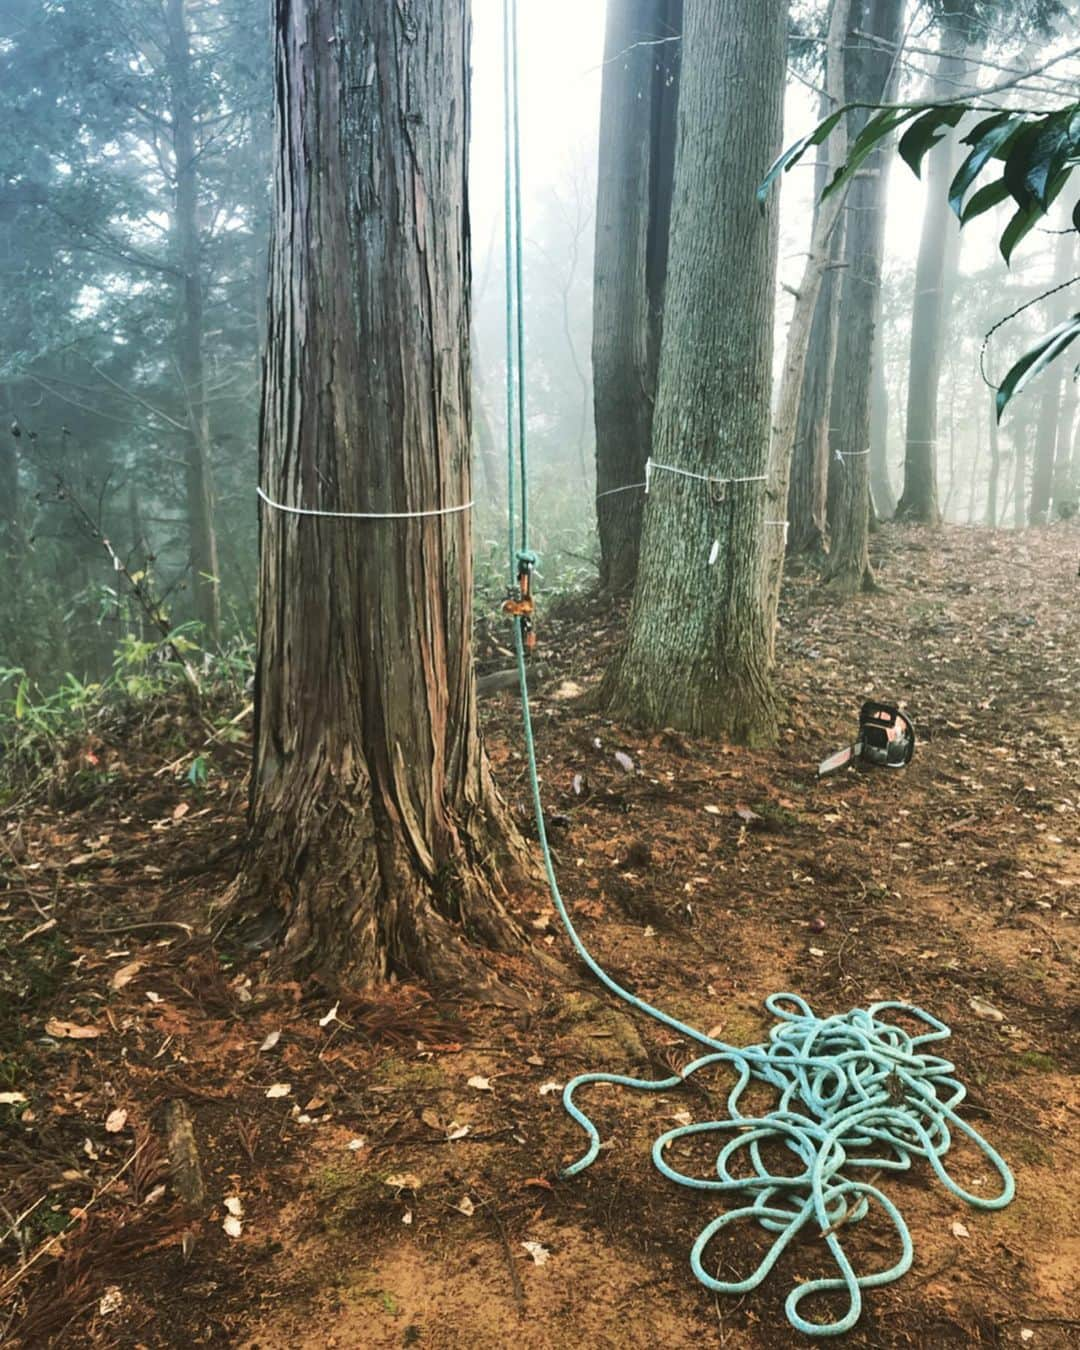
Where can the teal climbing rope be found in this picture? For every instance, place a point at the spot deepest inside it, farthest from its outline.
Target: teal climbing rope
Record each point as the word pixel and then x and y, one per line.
pixel 855 1093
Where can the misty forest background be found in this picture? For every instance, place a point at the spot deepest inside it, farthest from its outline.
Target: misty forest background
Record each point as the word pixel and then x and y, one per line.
pixel 135 204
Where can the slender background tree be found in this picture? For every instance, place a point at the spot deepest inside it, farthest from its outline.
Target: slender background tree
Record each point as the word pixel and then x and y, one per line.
pixel 642 55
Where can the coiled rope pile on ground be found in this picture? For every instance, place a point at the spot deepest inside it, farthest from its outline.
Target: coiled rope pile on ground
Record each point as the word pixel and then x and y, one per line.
pixel 854 1091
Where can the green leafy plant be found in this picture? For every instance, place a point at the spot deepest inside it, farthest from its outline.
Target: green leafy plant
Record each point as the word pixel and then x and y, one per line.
pixel 1033 154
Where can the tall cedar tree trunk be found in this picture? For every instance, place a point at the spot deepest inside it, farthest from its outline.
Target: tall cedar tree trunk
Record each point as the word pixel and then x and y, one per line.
pixel 976 465
pixel 869 78
pixel 930 308
pixel 952 446
pixel 697 653
pixel 9 496
pixel 1021 433
pixel 992 486
pixel 1047 428
pixel 883 500
pixel 808 532
pixel 374 821
pixel 633 207
pixel 827 217
pixel 1064 488
pixel 189 325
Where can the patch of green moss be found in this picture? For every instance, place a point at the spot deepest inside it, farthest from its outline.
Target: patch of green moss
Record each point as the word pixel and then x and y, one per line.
pixel 343 1193
pixel 777 817
pixel 591 1026
pixel 396 1072
pixel 738 1026
pixel 1035 1059
pixel 1032 1153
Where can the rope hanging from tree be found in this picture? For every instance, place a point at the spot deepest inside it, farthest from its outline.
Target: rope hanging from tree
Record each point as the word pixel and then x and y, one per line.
pixel 855 1091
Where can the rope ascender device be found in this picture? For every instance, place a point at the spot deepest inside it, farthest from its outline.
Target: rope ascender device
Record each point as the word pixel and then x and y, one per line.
pixel 519 602
pixel 886 740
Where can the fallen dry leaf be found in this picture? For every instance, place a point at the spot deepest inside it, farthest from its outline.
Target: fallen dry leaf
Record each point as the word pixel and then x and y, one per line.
pixel 233 1226
pixel 270 1041
pixel 111 1300
pixel 538 1252
pixel 125 974
pixel 279 1089
pixel 403 1181
pixel 480 1083
pixel 55 1027
pixel 116 1120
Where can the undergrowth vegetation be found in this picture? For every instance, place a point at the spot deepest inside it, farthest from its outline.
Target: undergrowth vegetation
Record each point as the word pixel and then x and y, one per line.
pixel 48 731
pixel 51 734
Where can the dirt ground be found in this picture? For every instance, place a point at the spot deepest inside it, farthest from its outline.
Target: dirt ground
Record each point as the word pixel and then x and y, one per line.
pixel 704 876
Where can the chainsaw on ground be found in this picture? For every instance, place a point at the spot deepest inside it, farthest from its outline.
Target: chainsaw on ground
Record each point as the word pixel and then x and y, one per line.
pixel 886 739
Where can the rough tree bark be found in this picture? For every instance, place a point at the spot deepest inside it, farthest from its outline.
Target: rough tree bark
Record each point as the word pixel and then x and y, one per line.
pixel 827 217
pixel 976 465
pixel 375 826
pixel 697 653
pixel 9 493
pixel 1021 433
pixel 1050 409
pixel 881 490
pixel 808 532
pixel 1064 484
pixel 189 324
pixel 869 78
pixel 633 206
pixel 995 466
pixel 929 312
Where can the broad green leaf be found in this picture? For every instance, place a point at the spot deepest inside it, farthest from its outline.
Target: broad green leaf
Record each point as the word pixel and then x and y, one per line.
pixel 994 132
pixel 986 197
pixel 794 153
pixel 1016 165
pixel 20 698
pixel 925 132
pixel 1038 358
pixel 1047 152
pixel 867 141
pixel 1022 223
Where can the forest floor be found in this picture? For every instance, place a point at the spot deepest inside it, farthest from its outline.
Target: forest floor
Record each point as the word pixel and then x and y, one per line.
pixel 707 877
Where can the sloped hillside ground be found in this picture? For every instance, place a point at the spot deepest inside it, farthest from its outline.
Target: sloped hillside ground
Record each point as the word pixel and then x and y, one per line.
pixel 383 1161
